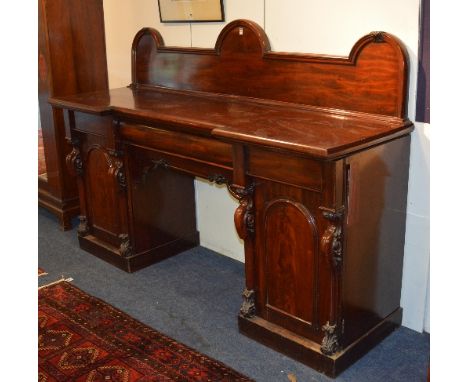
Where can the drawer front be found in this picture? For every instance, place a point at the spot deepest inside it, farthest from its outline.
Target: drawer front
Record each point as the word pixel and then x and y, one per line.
pixel 148 160
pixel 296 171
pixel 191 146
pixel 92 124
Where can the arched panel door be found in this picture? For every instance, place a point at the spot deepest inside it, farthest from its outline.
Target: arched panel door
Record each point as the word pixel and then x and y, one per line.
pixel 291 252
pixel 102 195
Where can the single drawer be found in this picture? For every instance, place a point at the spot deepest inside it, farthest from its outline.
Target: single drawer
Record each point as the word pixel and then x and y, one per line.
pixel 210 151
pixel 293 170
pixel 92 124
pixel 145 160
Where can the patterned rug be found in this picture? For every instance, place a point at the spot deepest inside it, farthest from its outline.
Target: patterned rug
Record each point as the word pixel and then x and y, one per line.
pixel 41 272
pixel 82 338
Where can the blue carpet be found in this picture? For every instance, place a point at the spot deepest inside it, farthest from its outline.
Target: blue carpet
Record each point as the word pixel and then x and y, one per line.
pixel 195 296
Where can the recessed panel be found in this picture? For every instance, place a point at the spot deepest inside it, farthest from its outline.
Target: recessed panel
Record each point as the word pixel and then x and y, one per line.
pixel 291 260
pixel 102 195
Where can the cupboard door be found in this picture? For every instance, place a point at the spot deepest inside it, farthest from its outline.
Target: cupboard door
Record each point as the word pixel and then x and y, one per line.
pixel 291 278
pixel 102 195
pixel 102 187
pixel 289 260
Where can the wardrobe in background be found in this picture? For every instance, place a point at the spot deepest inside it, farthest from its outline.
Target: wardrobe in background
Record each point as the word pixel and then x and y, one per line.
pixel 72 59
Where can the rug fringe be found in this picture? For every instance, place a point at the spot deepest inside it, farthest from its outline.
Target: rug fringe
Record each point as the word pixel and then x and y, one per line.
pixel 56 282
pixel 42 274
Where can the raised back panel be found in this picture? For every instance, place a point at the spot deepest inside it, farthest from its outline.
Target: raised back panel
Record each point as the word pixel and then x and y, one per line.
pixel 372 79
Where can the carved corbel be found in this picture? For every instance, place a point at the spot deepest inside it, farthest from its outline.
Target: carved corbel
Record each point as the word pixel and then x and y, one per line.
pixel 244 218
pixel 118 172
pixel 331 242
pixel 83 227
pixel 125 249
pixel 73 159
pixel 117 169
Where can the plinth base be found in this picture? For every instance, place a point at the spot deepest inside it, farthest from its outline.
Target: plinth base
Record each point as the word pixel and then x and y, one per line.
pixel 137 261
pixel 308 352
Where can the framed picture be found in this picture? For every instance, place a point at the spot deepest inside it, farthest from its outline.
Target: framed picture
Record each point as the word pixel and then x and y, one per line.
pixel 182 11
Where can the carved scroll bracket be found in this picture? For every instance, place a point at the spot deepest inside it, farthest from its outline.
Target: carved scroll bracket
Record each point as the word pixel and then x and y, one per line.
pixel 73 159
pixel 244 218
pixel 117 169
pixel 119 174
pixel 331 242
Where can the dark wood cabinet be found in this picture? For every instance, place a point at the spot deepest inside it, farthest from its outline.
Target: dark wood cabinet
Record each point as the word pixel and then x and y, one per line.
pixel 314 148
pixel 72 59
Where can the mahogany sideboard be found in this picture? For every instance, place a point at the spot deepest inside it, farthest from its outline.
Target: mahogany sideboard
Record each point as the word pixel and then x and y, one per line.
pixel 315 149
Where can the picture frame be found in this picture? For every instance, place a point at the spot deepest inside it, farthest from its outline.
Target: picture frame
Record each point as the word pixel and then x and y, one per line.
pixel 183 11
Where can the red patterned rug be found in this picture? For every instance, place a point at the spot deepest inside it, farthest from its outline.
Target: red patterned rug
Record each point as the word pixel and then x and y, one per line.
pixel 82 338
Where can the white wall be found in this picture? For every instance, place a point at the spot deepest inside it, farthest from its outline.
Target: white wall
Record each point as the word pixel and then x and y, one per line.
pixel 311 26
pixel 427 315
pixel 416 261
pixel 122 20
